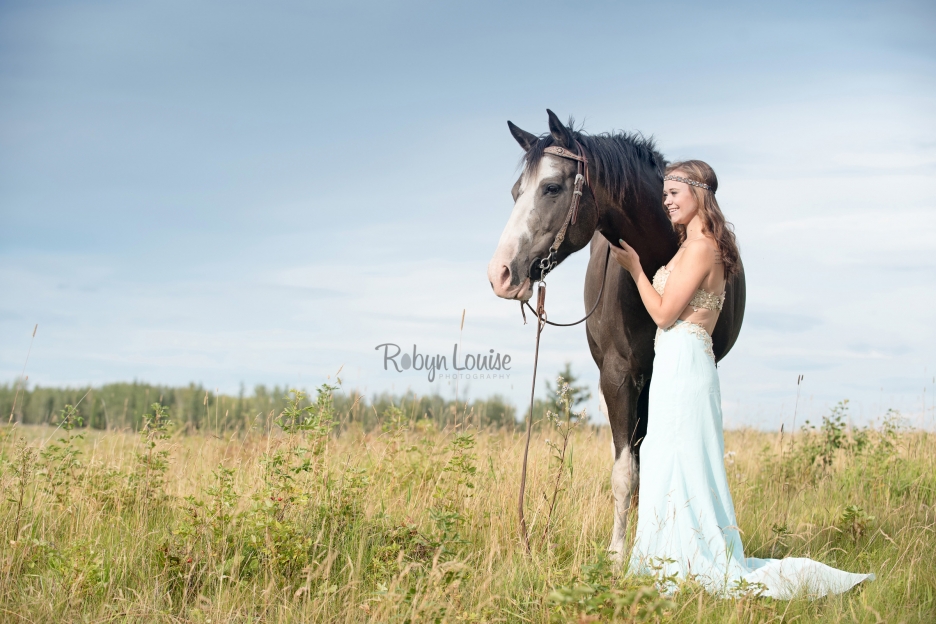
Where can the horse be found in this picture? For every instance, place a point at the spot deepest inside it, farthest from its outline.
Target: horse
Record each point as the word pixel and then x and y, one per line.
pixel 622 200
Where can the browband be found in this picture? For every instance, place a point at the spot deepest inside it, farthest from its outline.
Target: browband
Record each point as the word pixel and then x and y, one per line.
pixel 562 152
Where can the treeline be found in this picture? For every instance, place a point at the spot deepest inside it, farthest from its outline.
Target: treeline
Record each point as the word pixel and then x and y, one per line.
pixel 195 408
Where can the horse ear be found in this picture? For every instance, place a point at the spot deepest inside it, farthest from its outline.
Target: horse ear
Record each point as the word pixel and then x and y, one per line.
pixel 524 138
pixel 561 135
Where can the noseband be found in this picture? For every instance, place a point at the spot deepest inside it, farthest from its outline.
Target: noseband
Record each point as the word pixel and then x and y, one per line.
pixel 542 266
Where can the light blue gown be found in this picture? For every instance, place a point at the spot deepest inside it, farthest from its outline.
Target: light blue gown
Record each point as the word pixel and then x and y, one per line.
pixel 685 518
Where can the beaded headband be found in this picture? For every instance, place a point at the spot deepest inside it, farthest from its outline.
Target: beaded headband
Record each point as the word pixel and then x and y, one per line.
pixel 688 181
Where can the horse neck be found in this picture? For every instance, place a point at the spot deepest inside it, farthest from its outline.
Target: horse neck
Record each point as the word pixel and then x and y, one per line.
pixel 643 225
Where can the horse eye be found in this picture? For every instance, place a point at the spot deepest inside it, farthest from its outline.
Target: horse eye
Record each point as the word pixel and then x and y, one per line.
pixel 552 189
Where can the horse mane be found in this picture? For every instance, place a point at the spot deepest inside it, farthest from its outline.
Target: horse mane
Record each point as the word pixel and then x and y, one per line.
pixel 628 165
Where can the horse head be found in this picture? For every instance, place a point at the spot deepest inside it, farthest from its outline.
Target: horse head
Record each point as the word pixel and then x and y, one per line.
pixel 542 196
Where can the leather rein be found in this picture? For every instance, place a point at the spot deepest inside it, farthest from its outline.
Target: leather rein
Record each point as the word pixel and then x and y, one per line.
pixel 538 271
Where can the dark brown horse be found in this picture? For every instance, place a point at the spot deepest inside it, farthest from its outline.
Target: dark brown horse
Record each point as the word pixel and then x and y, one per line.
pixel 624 200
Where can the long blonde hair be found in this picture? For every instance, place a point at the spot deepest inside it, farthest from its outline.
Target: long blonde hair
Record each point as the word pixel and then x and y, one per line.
pixel 713 221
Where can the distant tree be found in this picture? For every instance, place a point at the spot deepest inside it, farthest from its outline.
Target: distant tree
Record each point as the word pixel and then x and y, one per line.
pixel 578 392
pixel 494 412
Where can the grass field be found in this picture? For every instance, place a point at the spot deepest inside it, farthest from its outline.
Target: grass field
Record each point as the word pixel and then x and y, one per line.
pixel 299 521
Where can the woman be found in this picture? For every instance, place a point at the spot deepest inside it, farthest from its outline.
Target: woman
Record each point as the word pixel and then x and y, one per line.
pixel 685 518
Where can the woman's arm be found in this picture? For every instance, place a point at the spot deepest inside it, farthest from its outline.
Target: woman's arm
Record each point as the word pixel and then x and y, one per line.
pixel 681 285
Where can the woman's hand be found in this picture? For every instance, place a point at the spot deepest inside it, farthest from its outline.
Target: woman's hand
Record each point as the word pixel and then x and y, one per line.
pixel 626 257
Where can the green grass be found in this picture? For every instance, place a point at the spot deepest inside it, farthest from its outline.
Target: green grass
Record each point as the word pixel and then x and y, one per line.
pixel 307 523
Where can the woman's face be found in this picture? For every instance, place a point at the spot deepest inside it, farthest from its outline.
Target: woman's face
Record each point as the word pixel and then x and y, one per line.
pixel 679 201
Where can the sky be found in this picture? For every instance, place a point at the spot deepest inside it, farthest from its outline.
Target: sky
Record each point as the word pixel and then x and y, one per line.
pixel 235 193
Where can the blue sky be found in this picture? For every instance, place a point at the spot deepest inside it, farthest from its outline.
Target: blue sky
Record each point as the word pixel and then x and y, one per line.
pixel 262 193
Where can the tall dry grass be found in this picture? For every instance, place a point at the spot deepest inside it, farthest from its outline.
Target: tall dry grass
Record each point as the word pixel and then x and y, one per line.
pixel 409 523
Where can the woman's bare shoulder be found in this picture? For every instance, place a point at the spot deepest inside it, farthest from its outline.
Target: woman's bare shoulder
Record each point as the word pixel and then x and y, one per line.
pixel 702 248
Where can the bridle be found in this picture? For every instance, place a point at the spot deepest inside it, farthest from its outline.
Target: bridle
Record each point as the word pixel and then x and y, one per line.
pixel 539 268
pixel 542 266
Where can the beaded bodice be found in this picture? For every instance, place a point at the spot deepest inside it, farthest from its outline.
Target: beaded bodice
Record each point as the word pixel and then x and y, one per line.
pixel 702 299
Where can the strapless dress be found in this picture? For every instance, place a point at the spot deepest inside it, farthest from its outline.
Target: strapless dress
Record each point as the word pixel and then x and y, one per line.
pixel 686 524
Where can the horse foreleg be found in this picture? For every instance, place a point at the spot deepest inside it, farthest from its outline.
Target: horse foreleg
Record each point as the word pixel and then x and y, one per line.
pixel 624 479
pixel 622 414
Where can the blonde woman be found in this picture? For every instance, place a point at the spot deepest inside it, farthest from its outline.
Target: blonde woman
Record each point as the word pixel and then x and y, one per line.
pixel 685 518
